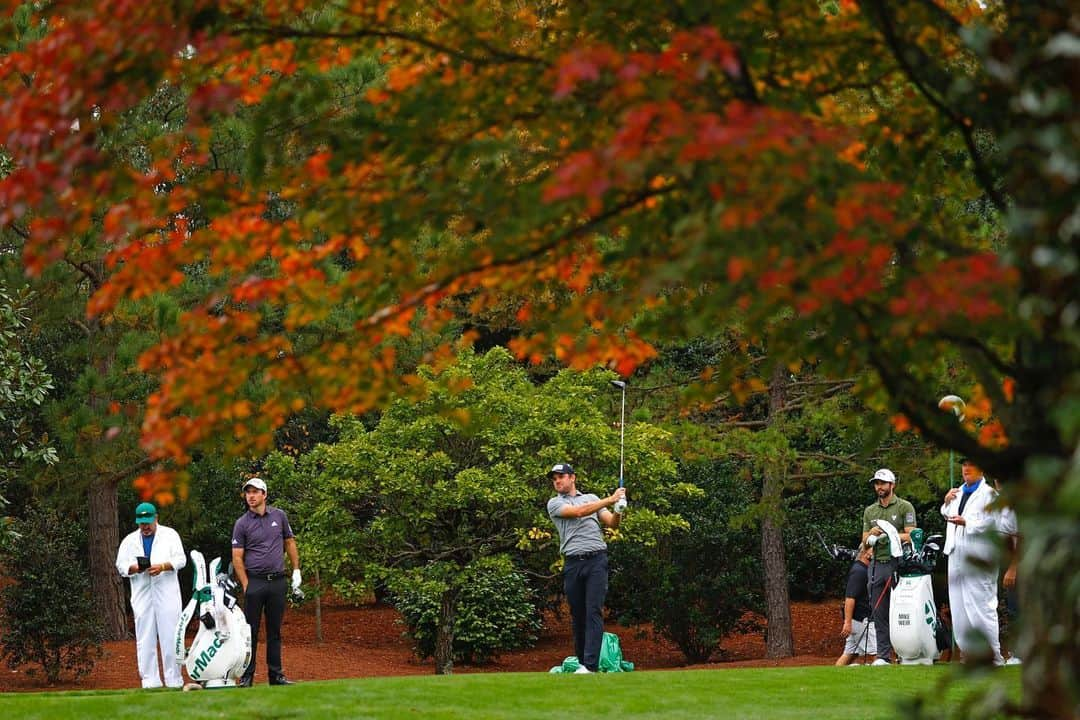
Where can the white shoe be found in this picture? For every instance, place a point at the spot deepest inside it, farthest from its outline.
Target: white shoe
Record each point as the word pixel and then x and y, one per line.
pixel 582 670
pixel 881 661
pixel 1013 660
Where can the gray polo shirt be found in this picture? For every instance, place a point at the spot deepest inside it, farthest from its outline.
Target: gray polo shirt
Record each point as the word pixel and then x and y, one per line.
pixel 262 538
pixel 576 535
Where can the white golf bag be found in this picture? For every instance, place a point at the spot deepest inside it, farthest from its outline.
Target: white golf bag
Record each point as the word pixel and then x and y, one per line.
pixel 913 620
pixel 221 650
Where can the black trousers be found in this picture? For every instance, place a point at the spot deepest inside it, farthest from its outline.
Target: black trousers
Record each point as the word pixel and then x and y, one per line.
pixel 265 596
pixel 585 580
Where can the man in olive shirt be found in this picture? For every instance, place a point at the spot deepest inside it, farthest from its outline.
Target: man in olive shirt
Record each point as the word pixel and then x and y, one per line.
pixel 900 514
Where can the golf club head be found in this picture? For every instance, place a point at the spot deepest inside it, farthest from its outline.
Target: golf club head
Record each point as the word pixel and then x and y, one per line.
pixel 619 384
pixel 843 553
pixel 953 403
pixel 836 552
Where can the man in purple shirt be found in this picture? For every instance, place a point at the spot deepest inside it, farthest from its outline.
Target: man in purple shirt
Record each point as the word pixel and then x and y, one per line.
pixel 261 537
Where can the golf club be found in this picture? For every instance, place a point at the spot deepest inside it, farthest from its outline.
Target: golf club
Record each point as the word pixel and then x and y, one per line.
pixel 837 552
pixel 620 505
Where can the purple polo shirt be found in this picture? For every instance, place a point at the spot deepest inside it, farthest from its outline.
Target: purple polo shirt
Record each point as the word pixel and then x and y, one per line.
pixel 263 539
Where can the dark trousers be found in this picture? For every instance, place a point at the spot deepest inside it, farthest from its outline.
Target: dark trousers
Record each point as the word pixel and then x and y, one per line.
pixel 585 581
pixel 880 586
pixel 269 596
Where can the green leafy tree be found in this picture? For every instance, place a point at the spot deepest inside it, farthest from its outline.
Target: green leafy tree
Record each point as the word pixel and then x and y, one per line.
pixel 24 386
pixel 458 477
pixel 791 427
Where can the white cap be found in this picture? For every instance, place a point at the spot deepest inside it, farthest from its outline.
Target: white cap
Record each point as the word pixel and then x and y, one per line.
pixel 255 482
pixel 884 474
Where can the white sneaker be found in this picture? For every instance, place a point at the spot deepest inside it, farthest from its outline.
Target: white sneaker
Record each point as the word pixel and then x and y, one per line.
pixel 1013 660
pixel 582 670
pixel 881 661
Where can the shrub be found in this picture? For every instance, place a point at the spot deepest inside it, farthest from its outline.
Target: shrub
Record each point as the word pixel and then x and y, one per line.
pixel 47 612
pixel 694 586
pixel 495 610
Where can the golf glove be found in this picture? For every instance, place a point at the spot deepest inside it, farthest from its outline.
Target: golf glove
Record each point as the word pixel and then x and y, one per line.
pixel 872 540
pixel 619 506
pixel 296 581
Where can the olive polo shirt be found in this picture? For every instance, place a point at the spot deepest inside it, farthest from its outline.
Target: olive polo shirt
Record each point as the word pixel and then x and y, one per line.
pixel 898 513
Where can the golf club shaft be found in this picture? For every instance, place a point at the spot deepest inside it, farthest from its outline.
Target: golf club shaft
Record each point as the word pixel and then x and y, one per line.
pixel 622 434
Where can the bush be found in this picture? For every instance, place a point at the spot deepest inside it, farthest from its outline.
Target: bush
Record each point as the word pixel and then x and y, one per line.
pixel 48 616
pixel 495 610
pixel 695 586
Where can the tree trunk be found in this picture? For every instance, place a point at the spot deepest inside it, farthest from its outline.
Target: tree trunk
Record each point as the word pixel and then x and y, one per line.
pixel 318 608
pixel 105 583
pixel 444 633
pixel 778 642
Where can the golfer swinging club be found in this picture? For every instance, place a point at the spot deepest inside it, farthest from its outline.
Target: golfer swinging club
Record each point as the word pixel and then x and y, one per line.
pixel 578 517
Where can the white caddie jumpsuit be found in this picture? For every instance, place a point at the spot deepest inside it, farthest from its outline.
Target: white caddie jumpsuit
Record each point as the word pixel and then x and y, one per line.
pixel 973 569
pixel 155 601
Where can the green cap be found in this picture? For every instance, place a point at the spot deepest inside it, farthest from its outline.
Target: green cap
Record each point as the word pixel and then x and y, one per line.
pixel 145 513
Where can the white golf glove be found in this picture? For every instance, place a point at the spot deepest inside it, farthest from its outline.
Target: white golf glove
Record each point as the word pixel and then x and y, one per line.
pixel 619 506
pixel 872 540
pixel 297 593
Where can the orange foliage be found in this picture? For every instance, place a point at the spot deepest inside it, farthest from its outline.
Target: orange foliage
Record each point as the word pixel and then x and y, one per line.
pixel 691 185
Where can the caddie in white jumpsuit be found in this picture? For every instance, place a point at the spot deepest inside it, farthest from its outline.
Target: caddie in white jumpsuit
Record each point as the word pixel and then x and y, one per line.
pixel 149 557
pixel 972 546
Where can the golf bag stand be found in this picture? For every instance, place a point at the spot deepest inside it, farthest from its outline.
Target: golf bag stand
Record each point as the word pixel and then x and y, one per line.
pixel 913 617
pixel 221 649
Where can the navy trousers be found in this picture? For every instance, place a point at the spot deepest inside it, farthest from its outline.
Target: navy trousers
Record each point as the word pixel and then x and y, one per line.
pixel 585 580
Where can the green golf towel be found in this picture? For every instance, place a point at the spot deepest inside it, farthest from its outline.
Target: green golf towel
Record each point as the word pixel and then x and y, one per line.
pixel 611 659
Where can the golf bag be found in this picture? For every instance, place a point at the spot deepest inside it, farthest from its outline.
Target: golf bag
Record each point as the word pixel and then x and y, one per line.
pixel 913 620
pixel 221 650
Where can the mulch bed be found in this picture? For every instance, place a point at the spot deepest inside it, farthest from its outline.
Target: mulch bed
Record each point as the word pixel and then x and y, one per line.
pixel 366 641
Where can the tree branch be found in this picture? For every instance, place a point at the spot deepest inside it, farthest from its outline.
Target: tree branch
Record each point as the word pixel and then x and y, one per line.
pixel 433 288
pixel 281 32
pixel 983 174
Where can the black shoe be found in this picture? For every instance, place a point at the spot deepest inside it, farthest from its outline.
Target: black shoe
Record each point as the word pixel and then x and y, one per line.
pixel 246 681
pixel 281 680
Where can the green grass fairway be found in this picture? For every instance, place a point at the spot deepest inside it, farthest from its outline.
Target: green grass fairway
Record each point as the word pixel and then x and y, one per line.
pixel 798 693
